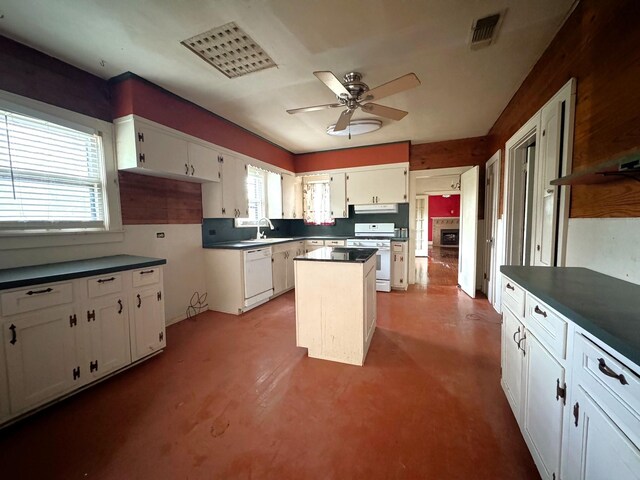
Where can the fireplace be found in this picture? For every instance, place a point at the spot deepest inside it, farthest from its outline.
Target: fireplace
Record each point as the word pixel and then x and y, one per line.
pixel 449 237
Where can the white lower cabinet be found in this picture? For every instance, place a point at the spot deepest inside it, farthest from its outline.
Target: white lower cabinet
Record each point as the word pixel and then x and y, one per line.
pixel 147 322
pixel 598 448
pixel 42 354
pixel 512 360
pixel 399 270
pixel 543 408
pixel 282 265
pixel 54 343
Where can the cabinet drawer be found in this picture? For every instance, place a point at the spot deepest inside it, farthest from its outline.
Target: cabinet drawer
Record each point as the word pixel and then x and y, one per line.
pixel 38 296
pixel 335 243
pixel 314 242
pixel 396 247
pixel 513 295
pixel 614 386
pixel 104 285
pixel 547 326
pixel 145 276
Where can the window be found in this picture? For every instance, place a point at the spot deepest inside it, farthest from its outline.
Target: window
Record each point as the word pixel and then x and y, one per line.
pixel 51 176
pixel 317 202
pixel 256 193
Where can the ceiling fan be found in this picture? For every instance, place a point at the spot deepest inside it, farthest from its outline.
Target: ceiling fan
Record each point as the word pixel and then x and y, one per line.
pixel 353 94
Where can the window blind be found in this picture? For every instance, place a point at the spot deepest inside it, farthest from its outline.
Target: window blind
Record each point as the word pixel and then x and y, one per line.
pixel 51 176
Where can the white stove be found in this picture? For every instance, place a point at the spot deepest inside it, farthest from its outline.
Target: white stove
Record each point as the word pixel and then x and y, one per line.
pixel 376 235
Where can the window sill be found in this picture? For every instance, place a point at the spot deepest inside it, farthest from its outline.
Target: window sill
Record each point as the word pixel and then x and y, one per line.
pixel 21 240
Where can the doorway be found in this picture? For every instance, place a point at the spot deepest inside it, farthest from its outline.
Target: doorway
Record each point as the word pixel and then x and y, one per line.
pixel 492 227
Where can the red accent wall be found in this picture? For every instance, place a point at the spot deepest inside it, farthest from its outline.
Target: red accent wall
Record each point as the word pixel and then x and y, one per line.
pixel 443 207
pixel 135 95
pixel 353 157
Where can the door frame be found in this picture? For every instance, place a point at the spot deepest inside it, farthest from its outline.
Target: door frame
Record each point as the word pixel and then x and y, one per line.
pixel 491 217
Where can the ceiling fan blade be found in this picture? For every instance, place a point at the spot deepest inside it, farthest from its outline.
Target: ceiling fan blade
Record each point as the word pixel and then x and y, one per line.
pixel 315 108
pixel 400 84
pixel 331 81
pixel 382 111
pixel 343 121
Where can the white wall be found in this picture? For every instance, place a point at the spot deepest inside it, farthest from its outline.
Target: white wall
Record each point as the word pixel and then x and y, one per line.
pixel 607 245
pixel 182 247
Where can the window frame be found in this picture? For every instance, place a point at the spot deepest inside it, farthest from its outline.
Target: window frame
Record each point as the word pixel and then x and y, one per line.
pixel 112 222
pixel 324 179
pixel 248 222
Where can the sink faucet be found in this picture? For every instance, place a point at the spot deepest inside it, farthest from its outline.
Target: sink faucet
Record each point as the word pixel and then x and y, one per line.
pixel 258 234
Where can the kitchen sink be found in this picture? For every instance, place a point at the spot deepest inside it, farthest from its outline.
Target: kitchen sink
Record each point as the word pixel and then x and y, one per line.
pixel 267 240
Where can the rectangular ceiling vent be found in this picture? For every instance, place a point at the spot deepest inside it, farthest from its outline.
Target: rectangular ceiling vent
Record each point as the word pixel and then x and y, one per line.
pixel 230 50
pixel 484 31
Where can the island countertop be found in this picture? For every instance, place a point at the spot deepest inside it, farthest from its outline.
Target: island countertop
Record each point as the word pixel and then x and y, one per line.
pixel 604 306
pixel 339 254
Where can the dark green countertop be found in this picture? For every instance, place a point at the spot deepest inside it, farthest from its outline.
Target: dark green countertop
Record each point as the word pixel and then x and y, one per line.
pixel 246 244
pixel 338 254
pixel 604 306
pixel 56 272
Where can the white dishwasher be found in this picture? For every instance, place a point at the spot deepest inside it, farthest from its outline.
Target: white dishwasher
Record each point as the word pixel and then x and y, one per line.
pixel 258 281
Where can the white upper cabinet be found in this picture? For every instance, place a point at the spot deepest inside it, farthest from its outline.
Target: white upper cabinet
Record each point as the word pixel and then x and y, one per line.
pixel 152 149
pixel 291 196
pixel 227 199
pixel 274 196
pixel 377 185
pixel 338 185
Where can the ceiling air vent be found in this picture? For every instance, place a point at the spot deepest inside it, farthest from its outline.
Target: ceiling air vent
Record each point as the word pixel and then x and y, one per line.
pixel 484 31
pixel 230 50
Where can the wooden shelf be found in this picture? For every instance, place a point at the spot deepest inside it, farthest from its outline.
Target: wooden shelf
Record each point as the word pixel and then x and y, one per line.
pixel 608 171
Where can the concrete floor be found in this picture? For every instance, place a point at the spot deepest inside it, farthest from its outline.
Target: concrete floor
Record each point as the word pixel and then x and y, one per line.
pixel 232 397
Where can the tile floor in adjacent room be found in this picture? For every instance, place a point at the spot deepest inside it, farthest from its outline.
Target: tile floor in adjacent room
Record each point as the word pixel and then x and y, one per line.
pixel 232 397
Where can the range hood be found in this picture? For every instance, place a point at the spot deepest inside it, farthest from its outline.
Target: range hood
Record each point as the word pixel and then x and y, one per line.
pixel 376 208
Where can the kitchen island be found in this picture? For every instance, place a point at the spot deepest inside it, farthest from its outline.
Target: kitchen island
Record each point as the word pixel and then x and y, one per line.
pixel 336 303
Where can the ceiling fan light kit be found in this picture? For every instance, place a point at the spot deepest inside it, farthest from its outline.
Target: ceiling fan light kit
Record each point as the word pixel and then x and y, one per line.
pixel 352 94
pixel 356 127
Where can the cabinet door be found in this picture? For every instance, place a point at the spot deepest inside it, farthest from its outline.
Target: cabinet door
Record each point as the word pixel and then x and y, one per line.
pixel 398 265
pixel 203 163
pixel 288 196
pixel 148 329
pixel 597 448
pixel 108 335
pixel 542 408
pixel 41 350
pixel 239 188
pixel 291 254
pixel 388 185
pixel 360 189
pixel 512 333
pixel 218 199
pixel 279 272
pixel 162 152
pixel 275 209
pixel 338 194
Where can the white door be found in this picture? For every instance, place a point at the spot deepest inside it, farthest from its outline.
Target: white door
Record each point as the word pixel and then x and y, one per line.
pixel 338 195
pixel 279 272
pixel 162 152
pixel 291 254
pixel 109 339
pixel 545 194
pixel 203 163
pixel 542 407
pixel 512 333
pixel 598 448
pixel 288 196
pixel 240 195
pixel 41 351
pixel 468 231
pixel 147 322
pixel 491 226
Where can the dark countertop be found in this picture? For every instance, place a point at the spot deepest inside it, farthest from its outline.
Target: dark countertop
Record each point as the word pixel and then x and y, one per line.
pixel 56 272
pixel 246 244
pixel 604 306
pixel 339 254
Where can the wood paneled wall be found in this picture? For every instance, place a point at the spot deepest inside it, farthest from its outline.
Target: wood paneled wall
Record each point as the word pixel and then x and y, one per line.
pixel 352 157
pixel 598 44
pixel 30 73
pixel 153 200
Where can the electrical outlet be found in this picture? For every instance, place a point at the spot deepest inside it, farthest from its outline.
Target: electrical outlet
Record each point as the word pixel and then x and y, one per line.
pixel 160 235
pixel 212 232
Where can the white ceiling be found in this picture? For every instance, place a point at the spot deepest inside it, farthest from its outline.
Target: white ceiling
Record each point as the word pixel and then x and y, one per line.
pixel 462 91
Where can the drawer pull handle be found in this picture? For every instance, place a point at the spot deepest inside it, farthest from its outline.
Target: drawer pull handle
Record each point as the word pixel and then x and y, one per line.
pixel 105 280
pixel 540 312
pixel 37 292
pixel 14 337
pixel 119 307
pixel 524 353
pixel 144 272
pixel 604 368
pixel 139 301
pixel 510 287
pixel 514 335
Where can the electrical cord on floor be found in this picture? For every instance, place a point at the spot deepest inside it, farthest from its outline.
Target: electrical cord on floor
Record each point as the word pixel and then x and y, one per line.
pixel 197 304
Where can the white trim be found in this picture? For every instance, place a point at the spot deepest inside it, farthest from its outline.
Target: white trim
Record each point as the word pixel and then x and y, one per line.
pixel 491 264
pixel 355 169
pixel 113 217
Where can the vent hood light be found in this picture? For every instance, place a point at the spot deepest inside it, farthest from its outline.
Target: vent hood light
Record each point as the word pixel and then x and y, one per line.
pixel 356 127
pixel 376 208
